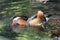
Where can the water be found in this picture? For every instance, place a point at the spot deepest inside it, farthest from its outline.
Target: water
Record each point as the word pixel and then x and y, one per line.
pixel 3 38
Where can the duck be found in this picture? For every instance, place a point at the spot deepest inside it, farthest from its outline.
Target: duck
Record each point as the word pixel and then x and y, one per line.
pixel 19 23
pixel 55 33
pixel 36 21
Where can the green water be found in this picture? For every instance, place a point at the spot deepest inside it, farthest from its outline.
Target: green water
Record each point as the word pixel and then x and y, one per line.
pixel 3 38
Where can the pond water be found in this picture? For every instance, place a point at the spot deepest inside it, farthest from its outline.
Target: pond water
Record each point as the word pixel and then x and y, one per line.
pixel 3 38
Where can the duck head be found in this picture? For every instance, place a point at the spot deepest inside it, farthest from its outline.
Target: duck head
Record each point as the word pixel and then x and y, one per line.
pixel 40 14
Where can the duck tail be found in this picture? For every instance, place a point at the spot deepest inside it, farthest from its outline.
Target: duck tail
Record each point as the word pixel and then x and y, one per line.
pixel 49 15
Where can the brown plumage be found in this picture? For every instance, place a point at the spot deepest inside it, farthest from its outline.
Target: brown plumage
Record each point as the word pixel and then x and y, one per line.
pixel 55 33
